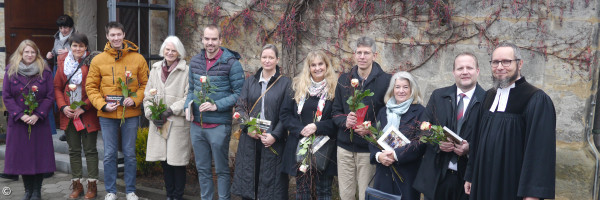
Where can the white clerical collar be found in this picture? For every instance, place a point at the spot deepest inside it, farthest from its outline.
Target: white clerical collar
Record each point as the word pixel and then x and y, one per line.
pixel 501 99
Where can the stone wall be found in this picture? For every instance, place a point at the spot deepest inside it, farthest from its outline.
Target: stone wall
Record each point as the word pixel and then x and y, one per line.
pixel 559 39
pixel 84 14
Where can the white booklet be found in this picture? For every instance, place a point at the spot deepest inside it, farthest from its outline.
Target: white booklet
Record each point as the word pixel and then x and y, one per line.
pixel 452 136
pixel 392 139
pixel 319 141
pixel 189 114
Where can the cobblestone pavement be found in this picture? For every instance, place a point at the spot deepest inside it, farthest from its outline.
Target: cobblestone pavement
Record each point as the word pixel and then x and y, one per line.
pixel 57 187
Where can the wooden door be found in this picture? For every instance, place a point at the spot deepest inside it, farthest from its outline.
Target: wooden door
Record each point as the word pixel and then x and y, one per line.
pixel 31 19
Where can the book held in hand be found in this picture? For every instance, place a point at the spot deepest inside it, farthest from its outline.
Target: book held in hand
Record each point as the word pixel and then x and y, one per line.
pixel 392 139
pixel 165 129
pixel 452 136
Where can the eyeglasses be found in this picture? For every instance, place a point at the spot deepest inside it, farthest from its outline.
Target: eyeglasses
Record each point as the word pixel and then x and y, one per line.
pixel 505 63
pixel 363 53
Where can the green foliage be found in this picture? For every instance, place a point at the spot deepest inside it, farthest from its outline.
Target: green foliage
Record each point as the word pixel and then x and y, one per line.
pixel 157 109
pixel 355 101
pixel 437 135
pixel 76 104
pixel 143 167
pixel 375 134
pixel 31 104
pixel 125 88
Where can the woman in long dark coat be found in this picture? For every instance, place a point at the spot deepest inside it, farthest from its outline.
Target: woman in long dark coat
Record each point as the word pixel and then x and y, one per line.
pixel 306 111
pixel 29 154
pixel 402 110
pixel 258 169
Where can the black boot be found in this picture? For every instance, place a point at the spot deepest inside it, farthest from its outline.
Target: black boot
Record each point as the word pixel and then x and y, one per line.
pixel 37 187
pixel 9 176
pixel 63 137
pixel 28 184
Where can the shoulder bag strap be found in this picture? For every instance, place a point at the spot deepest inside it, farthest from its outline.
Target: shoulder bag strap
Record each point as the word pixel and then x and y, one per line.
pixel 74 72
pixel 263 94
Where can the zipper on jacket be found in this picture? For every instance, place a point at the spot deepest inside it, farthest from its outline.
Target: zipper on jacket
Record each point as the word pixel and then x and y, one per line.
pixel 113 74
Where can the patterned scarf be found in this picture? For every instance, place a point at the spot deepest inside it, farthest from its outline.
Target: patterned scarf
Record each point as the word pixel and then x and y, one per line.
pixel 315 89
pixel 71 65
pixel 166 70
pixel 395 111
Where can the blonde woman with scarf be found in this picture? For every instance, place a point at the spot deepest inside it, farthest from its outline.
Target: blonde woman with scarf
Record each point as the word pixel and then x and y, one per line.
pixel 306 111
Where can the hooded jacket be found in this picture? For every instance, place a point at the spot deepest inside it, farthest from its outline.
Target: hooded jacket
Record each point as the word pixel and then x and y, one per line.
pixel 105 71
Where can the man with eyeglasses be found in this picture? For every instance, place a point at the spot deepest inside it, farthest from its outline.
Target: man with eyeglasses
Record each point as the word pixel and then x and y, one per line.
pixel 353 157
pixel 457 107
pixel 514 154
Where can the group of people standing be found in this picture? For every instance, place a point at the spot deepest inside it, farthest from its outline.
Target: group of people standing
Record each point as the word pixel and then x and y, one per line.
pixel 508 150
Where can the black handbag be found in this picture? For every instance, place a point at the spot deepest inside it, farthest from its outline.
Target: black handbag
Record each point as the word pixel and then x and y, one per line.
pixel 375 194
pixel 321 156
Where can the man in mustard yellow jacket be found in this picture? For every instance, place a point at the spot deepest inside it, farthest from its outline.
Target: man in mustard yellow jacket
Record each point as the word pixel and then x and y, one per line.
pixel 113 73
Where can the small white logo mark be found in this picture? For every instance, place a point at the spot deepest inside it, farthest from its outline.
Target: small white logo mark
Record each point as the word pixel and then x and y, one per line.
pixel 6 191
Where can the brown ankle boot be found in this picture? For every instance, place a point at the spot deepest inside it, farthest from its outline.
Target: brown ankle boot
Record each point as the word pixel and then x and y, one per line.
pixel 77 190
pixel 91 190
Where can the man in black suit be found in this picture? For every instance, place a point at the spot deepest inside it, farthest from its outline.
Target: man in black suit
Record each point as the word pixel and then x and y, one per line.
pixel 441 174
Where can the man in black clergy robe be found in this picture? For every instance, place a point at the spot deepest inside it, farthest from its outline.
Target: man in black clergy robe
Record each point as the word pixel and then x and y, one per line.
pixel 514 154
pixel 443 166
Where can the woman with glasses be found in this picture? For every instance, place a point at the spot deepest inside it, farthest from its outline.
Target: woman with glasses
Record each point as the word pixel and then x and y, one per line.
pixel 29 149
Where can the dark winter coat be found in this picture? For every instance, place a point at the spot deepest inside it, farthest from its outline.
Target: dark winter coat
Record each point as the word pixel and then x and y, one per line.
pixel 377 82
pixel 294 123
pixel 409 156
pixel 441 110
pixel 272 183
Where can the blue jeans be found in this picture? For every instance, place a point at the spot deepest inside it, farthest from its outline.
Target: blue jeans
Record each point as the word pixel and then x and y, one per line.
pixel 215 140
pixel 110 136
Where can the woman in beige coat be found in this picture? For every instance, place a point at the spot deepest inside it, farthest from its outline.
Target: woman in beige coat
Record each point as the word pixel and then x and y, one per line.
pixel 169 82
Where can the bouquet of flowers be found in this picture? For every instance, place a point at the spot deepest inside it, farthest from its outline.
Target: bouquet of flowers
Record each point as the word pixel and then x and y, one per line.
pixel 372 138
pixel 71 93
pixel 306 146
pixel 437 133
pixel 355 101
pixel 203 93
pixel 31 103
pixel 253 125
pixel 157 107
pixel 126 91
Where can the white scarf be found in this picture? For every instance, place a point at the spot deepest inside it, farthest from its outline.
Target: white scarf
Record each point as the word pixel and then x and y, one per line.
pixel 71 65
pixel 64 38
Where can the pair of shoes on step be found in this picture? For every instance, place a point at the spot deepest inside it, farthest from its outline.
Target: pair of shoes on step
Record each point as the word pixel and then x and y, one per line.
pixel 78 189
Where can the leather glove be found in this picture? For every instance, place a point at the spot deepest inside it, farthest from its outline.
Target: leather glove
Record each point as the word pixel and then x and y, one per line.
pixel 166 114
